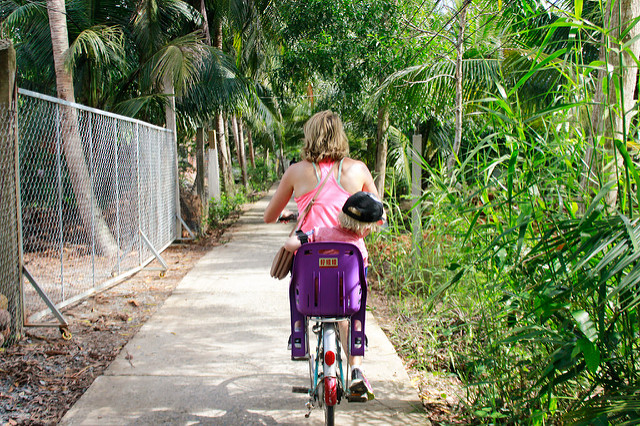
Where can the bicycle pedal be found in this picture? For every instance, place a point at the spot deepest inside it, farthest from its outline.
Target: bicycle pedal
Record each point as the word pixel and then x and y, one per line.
pixel 356 397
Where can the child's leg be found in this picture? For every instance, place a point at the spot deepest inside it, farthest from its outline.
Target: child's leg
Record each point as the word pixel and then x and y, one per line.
pixel 344 341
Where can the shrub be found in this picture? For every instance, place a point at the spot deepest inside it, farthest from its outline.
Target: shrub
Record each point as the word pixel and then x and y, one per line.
pixel 220 210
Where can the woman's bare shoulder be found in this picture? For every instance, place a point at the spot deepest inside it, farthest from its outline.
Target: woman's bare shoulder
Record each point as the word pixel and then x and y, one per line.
pixel 302 177
pixel 299 169
pixel 350 165
pixel 356 176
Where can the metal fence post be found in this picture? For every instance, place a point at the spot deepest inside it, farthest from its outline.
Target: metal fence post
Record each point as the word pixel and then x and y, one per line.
pixel 117 172
pixel 138 194
pixel 92 172
pixel 59 175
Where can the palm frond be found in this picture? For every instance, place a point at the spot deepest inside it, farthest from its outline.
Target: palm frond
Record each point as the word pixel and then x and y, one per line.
pixel 399 146
pixel 104 46
pixel 219 87
pixel 16 15
pixel 178 61
pixel 146 106
pixel 157 22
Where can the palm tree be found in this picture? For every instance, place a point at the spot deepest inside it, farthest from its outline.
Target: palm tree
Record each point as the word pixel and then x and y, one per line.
pixel 79 173
pixel 250 37
pixel 449 81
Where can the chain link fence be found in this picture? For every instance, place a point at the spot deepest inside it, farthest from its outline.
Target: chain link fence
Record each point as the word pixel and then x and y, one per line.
pixel 10 288
pixel 98 197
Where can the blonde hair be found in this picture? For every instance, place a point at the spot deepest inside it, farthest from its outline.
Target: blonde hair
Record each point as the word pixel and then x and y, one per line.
pixel 324 137
pixel 360 228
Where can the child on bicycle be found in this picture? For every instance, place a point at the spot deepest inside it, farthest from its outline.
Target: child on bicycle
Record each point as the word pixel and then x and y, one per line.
pixel 361 213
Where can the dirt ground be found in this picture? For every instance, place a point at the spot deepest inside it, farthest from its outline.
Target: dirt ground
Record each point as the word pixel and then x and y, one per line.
pixel 441 393
pixel 43 375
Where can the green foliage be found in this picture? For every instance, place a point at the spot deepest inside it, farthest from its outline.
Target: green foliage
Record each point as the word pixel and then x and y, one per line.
pixel 220 210
pixel 542 269
pixel 262 176
pixel 333 38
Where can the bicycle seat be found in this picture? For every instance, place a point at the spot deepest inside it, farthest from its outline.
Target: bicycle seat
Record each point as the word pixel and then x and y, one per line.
pixel 327 279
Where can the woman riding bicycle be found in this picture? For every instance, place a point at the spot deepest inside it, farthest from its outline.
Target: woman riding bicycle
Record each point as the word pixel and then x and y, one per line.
pixel 325 149
pixel 325 152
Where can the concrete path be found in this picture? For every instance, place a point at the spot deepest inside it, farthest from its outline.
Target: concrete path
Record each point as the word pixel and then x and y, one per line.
pixel 216 352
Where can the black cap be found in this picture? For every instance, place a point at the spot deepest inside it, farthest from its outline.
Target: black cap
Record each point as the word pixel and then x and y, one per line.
pixel 363 207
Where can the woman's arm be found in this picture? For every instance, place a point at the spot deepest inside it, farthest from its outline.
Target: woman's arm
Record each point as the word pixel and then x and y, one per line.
pixel 280 198
pixel 292 244
pixel 368 184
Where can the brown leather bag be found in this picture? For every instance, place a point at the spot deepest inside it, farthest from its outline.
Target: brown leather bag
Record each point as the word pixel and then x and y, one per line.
pixel 281 265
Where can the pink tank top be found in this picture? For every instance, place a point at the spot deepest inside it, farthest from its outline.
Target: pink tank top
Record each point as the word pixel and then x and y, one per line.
pixel 329 202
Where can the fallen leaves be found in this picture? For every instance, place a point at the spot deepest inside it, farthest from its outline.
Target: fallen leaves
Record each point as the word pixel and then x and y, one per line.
pixel 129 357
pixel 43 375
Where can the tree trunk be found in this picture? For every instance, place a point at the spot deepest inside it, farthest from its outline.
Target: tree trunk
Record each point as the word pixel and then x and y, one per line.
pixel 213 169
pixel 252 154
pixel 382 149
pixel 200 131
pixel 205 23
pixel 11 261
pixel 457 139
pixel 229 153
pixel 223 147
pixel 280 155
pixel 86 203
pixel 608 125
pixel 223 155
pixel 242 154
pixel 234 130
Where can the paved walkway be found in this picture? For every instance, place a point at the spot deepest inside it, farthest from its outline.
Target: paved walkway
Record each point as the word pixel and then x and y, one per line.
pixel 215 352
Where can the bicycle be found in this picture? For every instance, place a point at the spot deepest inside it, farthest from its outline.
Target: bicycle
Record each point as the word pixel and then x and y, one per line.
pixel 328 285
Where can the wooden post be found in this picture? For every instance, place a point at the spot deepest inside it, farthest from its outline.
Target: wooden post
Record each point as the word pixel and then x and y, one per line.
pixel 170 115
pixel 7 72
pixel 11 232
pixel 416 190
pixel 200 172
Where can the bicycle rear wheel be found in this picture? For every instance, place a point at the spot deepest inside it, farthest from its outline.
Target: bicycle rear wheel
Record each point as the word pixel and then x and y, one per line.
pixel 329 415
pixel 330 400
pixel 330 382
pixel 330 391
